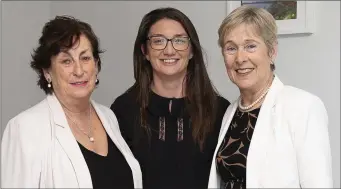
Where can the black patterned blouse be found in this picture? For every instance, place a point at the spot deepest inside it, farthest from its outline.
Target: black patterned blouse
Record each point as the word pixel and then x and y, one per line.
pixel 231 157
pixel 169 158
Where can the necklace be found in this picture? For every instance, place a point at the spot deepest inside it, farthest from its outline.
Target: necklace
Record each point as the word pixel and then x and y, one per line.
pixel 88 134
pixel 246 108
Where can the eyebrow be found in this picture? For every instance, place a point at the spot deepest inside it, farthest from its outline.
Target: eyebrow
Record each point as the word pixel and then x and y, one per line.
pixel 252 40
pixel 176 35
pixel 247 40
pixel 82 52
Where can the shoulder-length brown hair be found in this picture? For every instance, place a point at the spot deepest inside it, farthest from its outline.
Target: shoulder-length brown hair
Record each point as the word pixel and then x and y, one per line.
pixel 200 95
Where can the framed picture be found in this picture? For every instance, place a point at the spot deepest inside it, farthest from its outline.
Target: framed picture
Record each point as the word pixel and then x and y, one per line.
pixel 292 17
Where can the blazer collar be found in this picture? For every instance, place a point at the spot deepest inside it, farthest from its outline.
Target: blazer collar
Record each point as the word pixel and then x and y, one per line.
pixel 269 100
pixel 58 114
pixel 275 89
pixel 261 138
pixel 57 111
pixel 258 146
pixel 68 142
pixel 271 96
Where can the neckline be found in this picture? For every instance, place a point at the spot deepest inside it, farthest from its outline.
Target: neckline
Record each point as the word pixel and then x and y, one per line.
pixel 159 105
pixel 84 149
pixel 155 95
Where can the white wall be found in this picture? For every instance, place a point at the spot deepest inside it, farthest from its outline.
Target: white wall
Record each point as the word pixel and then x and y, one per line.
pixel 117 23
pixel 0 63
pixel 313 63
pixel 21 27
pixel 313 66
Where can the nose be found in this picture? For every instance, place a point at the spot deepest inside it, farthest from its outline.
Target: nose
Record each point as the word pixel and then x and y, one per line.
pixel 78 69
pixel 241 56
pixel 169 50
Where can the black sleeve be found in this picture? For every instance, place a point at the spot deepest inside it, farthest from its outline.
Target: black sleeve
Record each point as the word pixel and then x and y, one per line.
pixel 120 107
pixel 222 105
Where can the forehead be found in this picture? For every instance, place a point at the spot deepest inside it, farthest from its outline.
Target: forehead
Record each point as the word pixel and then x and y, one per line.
pixel 167 27
pixel 243 32
pixel 82 44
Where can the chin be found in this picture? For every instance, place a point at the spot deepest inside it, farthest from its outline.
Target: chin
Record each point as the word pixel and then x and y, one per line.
pixel 81 94
pixel 173 72
pixel 170 73
pixel 244 85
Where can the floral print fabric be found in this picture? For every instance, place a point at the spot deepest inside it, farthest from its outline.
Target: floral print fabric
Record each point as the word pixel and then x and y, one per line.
pixel 231 156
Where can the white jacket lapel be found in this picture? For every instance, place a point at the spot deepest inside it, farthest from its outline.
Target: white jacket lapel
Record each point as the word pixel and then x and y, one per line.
pixel 69 144
pixel 110 124
pixel 214 179
pixel 227 121
pixel 261 138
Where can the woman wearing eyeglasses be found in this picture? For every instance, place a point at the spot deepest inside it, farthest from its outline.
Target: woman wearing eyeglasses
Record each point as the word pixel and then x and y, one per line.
pixel 172 115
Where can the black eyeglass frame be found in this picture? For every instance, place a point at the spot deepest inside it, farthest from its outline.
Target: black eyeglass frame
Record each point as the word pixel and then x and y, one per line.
pixel 171 40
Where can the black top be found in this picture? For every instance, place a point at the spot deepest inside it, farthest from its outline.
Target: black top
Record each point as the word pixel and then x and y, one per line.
pixel 232 153
pixel 111 171
pixel 169 158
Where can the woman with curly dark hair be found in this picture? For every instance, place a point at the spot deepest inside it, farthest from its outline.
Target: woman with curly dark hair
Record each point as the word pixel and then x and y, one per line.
pixel 67 140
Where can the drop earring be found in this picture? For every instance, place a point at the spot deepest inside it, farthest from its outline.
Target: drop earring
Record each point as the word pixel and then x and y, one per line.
pixel 49 83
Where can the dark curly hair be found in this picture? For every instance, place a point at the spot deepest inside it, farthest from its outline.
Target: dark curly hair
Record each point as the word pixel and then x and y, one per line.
pixel 61 33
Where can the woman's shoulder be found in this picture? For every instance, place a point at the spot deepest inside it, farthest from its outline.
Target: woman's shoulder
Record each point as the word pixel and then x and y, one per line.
pixel 222 103
pixel 29 126
pixel 32 115
pixel 125 101
pixel 300 105
pixel 296 96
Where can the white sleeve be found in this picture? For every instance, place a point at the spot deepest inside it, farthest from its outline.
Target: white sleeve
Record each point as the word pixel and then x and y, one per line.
pixel 20 165
pixel 313 147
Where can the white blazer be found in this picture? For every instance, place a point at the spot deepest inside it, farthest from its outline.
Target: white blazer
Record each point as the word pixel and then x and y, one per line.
pixel 38 149
pixel 290 144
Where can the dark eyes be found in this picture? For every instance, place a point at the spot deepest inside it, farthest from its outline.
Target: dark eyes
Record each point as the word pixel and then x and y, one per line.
pixel 86 58
pixel 83 59
pixel 66 61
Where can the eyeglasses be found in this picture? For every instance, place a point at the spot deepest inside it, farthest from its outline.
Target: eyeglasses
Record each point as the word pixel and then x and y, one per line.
pixel 180 43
